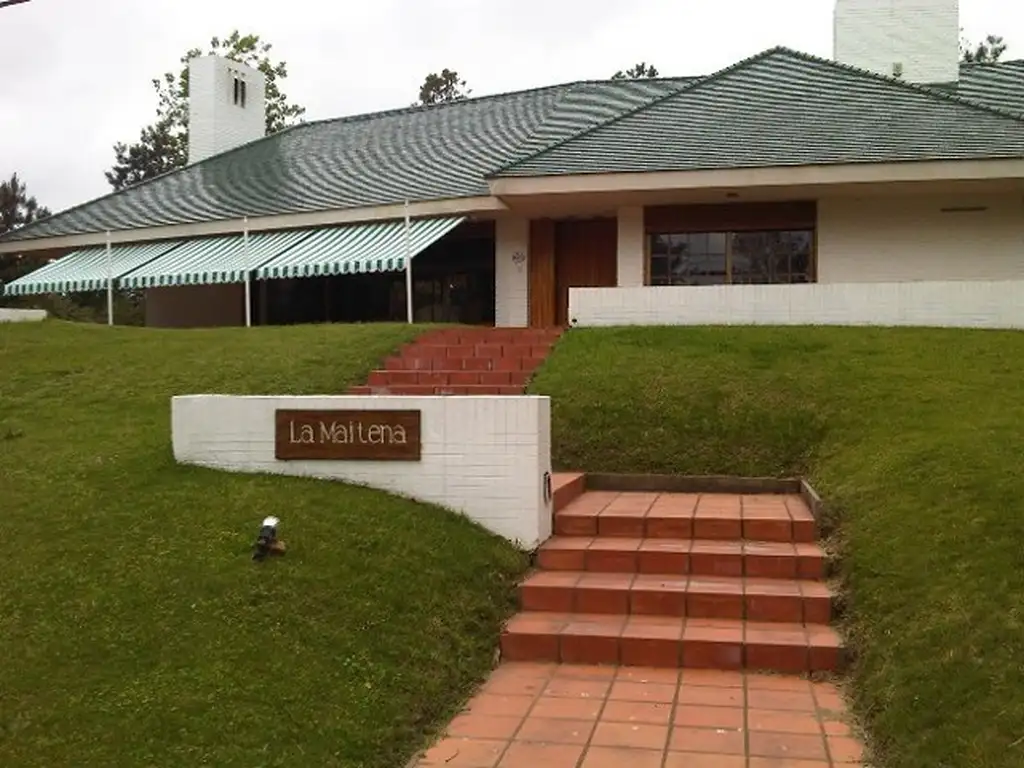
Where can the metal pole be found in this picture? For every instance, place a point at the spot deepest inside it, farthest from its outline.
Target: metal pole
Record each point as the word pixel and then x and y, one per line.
pixel 408 265
pixel 110 283
pixel 248 284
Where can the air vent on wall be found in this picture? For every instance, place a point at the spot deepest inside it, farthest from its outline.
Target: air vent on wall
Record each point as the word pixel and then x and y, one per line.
pixel 965 209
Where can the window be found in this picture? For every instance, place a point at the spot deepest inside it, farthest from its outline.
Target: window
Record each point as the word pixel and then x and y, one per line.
pixel 719 258
pixel 239 92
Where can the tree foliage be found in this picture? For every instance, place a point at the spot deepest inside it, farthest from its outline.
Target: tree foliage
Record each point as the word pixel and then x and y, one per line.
pixel 636 72
pixel 988 51
pixel 163 146
pixel 442 88
pixel 17 207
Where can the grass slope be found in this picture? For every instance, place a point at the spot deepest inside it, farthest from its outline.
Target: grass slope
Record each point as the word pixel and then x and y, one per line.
pixel 135 629
pixel 914 437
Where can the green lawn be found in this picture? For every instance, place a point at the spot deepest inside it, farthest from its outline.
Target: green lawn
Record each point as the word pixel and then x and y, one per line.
pixel 916 440
pixel 136 631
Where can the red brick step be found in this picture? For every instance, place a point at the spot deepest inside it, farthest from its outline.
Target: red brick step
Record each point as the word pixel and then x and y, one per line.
pixel 771 560
pixel 660 641
pixel 701 597
pixel 774 518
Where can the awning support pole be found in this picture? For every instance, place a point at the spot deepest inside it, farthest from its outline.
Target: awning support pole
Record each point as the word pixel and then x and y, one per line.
pixel 248 282
pixel 110 283
pixel 408 265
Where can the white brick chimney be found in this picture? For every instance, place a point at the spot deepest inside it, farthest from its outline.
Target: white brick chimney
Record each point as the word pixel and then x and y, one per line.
pixel 916 40
pixel 227 106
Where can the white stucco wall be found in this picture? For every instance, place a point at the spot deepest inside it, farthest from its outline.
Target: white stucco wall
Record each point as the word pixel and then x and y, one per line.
pixel 631 251
pixel 892 239
pixel 483 456
pixel 923 36
pixel 216 122
pixel 953 303
pixel 512 279
pixel 22 315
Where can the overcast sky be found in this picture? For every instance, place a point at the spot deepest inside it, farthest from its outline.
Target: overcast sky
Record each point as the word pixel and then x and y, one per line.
pixel 77 73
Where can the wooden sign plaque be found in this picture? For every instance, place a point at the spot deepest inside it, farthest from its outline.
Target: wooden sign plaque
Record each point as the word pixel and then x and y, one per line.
pixel 347 435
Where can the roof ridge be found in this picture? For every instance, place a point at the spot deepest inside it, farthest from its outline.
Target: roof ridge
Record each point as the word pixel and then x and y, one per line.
pixel 395 111
pixel 629 113
pixel 928 90
pixel 992 64
pixel 750 60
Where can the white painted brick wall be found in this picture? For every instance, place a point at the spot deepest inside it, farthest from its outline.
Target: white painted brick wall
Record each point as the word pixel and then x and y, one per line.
pixel 483 456
pixel 957 304
pixel 22 315
pixel 891 239
pixel 216 123
pixel 631 250
pixel 923 35
pixel 511 280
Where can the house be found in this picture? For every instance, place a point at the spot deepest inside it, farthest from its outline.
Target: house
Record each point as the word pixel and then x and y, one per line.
pixel 884 186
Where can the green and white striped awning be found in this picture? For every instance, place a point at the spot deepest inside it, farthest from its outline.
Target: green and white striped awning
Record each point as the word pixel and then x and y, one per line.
pixel 87 269
pixel 358 248
pixel 211 260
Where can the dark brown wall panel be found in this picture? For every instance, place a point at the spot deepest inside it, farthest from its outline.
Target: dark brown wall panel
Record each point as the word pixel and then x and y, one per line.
pixel 731 217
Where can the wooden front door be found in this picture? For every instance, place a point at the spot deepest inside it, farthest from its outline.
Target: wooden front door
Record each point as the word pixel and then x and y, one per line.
pixel 585 256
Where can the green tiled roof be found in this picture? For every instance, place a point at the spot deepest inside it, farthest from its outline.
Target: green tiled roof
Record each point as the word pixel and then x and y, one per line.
pixel 997 85
pixel 780 107
pixel 415 154
pixel 784 108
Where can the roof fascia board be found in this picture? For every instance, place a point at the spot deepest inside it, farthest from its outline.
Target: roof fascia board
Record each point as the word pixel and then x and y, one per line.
pixel 804 175
pixel 454 206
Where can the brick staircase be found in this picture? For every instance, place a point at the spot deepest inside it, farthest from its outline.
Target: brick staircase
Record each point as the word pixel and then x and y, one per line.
pixel 719 581
pixel 463 361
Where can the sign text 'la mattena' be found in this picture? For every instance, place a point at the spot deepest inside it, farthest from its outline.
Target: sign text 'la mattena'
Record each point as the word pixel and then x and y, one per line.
pixel 347 435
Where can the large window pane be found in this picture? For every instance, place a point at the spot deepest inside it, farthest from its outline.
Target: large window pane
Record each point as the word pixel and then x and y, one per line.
pixel 715 258
pixel 771 257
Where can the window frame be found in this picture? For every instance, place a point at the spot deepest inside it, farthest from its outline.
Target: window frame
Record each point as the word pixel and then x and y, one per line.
pixel 812 266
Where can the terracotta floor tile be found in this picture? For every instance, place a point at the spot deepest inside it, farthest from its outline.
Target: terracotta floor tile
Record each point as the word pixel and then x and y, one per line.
pixel 551 731
pixel 515 686
pixel 464 753
pixel 790 701
pixel 710 697
pixel 587 671
pixel 648 674
pixel 567 709
pixel 528 755
pixel 679 504
pixel 845 750
pixel 475 725
pixel 720 503
pixel 638 735
pixel 654 713
pixel 778 683
pixel 618 757
pixel 577 688
pixel 837 728
pixel 517 670
pixel 697 716
pixel 500 705
pixel 652 692
pixel 707 740
pixel 782 722
pixel 787 745
pixel 695 760
pixel 771 762
pixel 712 677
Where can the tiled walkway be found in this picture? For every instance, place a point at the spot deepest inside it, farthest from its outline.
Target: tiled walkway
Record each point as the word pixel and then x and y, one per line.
pixel 563 716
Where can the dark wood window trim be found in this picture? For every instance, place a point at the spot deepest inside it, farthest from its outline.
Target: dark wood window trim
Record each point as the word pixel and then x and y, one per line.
pixel 727 254
pixel 731 217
